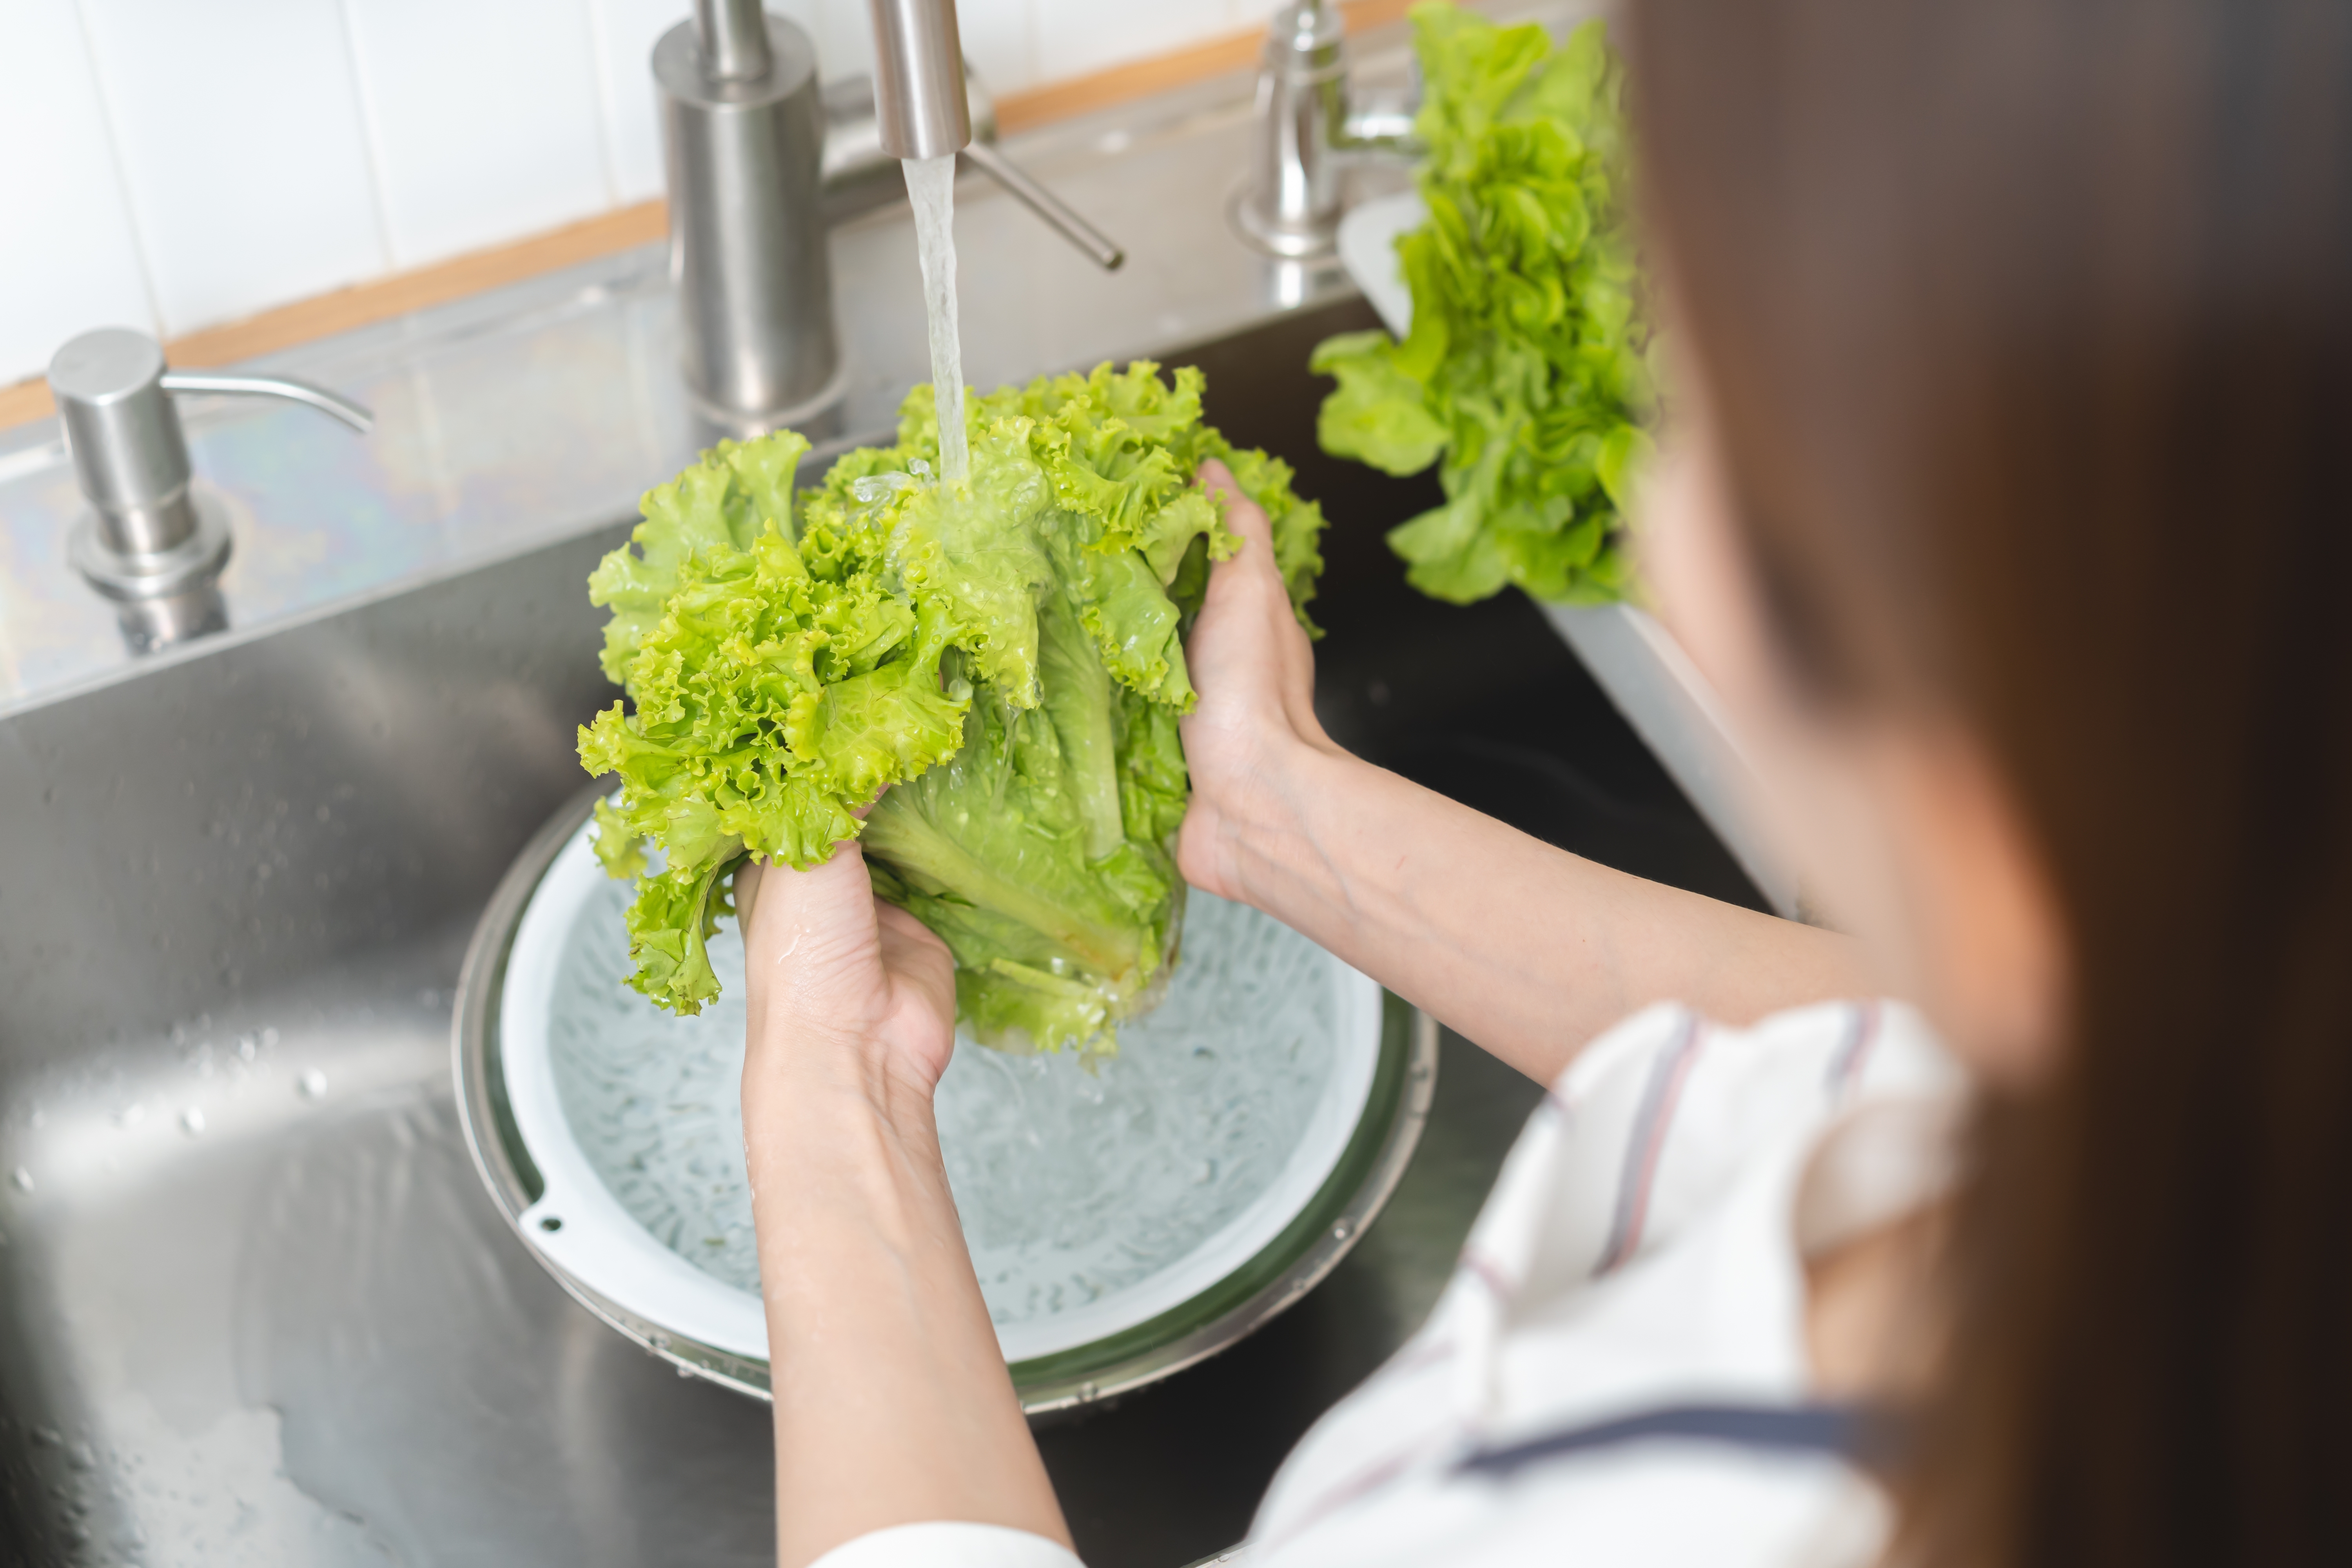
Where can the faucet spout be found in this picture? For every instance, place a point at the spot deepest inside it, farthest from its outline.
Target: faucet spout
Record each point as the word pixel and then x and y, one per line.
pixel 918 87
pixel 920 104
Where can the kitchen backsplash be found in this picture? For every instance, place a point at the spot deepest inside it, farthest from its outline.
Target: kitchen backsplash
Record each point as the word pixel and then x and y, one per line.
pixel 173 164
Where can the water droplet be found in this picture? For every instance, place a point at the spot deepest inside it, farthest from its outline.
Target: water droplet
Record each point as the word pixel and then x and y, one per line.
pixel 248 1047
pixel 193 1118
pixel 22 1178
pixel 130 1115
pixel 1342 1231
pixel 269 1037
pixel 1087 1391
pixel 313 1084
pixel 870 489
pixel 40 1119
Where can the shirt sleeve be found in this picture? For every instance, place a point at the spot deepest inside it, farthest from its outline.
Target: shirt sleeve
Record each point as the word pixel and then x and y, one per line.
pixel 941 1544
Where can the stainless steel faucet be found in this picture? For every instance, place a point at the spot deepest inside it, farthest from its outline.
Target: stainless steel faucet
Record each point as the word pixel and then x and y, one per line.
pixel 151 539
pixel 1292 204
pixel 745 134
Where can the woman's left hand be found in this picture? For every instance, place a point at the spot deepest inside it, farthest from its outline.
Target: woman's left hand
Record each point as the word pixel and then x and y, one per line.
pixel 837 982
pixel 892 1404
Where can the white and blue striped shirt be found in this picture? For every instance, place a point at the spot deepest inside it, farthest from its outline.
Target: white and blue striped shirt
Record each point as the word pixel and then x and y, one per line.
pixel 1642 1252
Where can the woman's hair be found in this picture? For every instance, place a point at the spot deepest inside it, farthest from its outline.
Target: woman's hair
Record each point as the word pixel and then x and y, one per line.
pixel 2029 330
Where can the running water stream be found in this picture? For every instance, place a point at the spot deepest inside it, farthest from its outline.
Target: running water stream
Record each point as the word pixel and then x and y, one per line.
pixel 930 184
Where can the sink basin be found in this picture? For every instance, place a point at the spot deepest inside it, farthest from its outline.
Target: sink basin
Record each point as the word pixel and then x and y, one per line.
pixel 255 1306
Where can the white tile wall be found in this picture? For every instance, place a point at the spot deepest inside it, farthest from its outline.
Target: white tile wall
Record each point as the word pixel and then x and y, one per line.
pixel 1001 39
pixel 78 267
pixel 483 120
pixel 1075 36
pixel 176 165
pixel 237 129
pixel 624 33
pixel 844 31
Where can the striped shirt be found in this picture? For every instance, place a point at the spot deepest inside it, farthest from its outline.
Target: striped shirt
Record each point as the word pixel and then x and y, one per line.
pixel 1640 1255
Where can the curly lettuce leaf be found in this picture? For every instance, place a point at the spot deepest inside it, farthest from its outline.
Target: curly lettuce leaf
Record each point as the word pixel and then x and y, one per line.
pixel 721 503
pixel 1004 657
pixel 1379 416
pixel 1525 375
pixel 768 705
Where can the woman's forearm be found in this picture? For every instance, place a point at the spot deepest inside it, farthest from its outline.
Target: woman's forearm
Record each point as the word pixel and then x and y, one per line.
pixel 1523 948
pixel 892 1402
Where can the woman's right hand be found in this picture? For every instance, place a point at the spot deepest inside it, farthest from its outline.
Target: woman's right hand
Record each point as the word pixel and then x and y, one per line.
pixel 1522 947
pixel 1254 668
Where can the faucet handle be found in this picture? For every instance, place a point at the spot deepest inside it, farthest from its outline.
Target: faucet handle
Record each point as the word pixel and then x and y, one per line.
pixel 1058 213
pixel 923 109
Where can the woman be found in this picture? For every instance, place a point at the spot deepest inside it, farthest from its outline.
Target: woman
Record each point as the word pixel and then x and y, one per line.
pixel 2007 503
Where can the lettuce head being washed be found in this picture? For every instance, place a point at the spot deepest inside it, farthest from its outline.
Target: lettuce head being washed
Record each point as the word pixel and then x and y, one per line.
pixel 1006 655
pixel 1525 376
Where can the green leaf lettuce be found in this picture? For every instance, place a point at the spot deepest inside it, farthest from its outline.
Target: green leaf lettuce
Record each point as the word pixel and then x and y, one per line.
pixel 1525 376
pixel 1005 656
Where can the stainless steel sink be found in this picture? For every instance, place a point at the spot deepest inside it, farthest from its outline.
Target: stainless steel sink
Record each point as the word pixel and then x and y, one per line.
pixel 255 1306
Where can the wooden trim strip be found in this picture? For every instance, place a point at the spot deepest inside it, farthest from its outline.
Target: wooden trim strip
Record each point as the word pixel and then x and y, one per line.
pixel 323 315
pixel 25 402
pixel 359 305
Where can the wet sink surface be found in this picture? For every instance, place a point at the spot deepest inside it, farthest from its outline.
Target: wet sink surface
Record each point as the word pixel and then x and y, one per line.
pixel 255 1307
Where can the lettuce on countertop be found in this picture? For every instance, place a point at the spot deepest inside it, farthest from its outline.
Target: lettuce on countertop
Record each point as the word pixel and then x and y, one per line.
pixel 1525 375
pixel 1006 655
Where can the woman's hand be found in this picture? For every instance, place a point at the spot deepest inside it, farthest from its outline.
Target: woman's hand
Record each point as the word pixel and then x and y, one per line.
pixel 1520 946
pixel 892 1404
pixel 1255 670
pixel 842 988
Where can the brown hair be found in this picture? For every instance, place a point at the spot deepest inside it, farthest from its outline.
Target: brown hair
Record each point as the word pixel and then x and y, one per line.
pixel 2029 323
